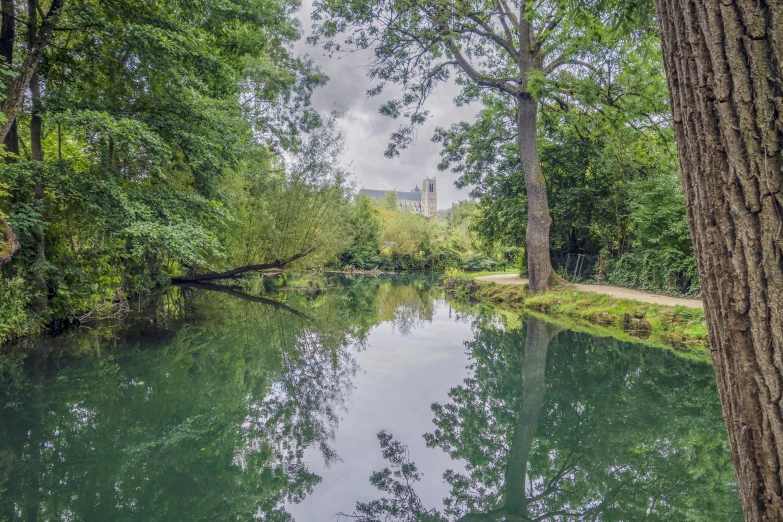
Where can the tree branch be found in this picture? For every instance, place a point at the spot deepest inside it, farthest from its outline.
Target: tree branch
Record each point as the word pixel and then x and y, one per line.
pixel 236 272
pixel 510 14
pixel 550 26
pixel 489 33
pixel 483 80
pixel 559 62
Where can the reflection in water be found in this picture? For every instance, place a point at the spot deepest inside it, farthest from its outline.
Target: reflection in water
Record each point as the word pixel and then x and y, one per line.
pixel 562 426
pixel 203 411
pixel 200 414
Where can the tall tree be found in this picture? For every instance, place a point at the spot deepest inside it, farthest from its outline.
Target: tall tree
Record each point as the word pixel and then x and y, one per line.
pixel 37 155
pixel 38 45
pixel 723 65
pixel 7 37
pixel 528 51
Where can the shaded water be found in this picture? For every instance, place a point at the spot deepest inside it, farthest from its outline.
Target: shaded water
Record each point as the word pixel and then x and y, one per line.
pixel 218 408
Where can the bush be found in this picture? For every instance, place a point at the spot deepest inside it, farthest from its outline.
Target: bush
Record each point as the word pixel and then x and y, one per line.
pixel 15 317
pixel 479 263
pixel 665 271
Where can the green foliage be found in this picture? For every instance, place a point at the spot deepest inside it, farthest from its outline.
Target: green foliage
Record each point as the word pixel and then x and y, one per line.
pixel 365 225
pixel 279 212
pixel 611 174
pixel 400 241
pixel 389 201
pixel 478 262
pixel 664 271
pixel 166 128
pixel 15 317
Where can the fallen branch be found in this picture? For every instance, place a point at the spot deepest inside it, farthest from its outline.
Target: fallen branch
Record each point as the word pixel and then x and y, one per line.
pixel 242 295
pixel 236 272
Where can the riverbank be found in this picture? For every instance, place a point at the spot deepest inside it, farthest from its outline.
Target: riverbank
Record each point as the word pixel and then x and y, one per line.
pixel 672 325
pixel 612 291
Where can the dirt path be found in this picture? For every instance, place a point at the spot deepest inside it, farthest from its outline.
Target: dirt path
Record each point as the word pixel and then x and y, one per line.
pixel 612 291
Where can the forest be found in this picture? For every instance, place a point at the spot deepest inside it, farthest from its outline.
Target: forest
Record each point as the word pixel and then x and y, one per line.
pixel 151 144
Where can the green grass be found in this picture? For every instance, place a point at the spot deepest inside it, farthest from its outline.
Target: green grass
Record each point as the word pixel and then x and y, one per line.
pixel 679 327
pixel 474 275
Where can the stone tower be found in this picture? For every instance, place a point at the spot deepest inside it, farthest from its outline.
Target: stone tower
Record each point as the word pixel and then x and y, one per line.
pixel 429 198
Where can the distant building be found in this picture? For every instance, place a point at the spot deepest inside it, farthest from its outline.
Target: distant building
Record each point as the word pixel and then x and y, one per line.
pixel 419 201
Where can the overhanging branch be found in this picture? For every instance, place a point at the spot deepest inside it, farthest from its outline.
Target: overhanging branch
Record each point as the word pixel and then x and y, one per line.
pixel 236 272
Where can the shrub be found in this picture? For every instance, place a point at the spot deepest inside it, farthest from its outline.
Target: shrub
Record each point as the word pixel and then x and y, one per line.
pixel 479 263
pixel 666 271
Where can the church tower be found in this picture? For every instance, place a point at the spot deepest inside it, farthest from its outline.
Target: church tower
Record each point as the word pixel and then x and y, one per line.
pixel 429 198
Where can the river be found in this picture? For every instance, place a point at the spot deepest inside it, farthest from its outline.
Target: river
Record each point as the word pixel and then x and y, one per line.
pixel 376 399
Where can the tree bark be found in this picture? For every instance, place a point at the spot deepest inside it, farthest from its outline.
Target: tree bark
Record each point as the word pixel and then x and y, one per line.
pixel 723 63
pixel 539 264
pixel 36 154
pixel 14 95
pixel 7 37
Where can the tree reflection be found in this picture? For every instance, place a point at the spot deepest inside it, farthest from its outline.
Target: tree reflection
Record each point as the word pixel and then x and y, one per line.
pixel 199 411
pixel 570 427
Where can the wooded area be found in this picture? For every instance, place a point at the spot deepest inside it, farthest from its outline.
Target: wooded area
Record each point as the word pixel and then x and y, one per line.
pixel 151 143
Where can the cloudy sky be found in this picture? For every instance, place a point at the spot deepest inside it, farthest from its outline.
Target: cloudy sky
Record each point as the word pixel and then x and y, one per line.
pixel 367 131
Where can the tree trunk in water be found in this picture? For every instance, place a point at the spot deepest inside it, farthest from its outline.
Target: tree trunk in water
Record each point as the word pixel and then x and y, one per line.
pixel 238 272
pixel 539 265
pixel 533 388
pixel 723 65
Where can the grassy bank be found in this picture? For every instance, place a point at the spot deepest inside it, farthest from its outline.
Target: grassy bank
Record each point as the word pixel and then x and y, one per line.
pixel 681 328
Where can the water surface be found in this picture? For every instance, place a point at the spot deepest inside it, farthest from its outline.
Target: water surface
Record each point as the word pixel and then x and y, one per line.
pixel 214 407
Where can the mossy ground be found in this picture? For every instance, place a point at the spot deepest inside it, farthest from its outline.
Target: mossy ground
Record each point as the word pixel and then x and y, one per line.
pixel 680 327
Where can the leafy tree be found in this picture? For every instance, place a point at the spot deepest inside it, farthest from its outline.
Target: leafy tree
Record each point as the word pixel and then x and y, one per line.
pixel 610 170
pixel 389 201
pixel 144 121
pixel 365 226
pixel 526 52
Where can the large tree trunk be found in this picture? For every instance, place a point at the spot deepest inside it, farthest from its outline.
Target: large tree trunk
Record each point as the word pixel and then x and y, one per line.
pixel 539 265
pixel 723 61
